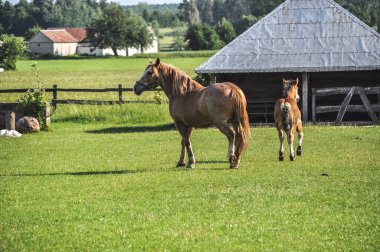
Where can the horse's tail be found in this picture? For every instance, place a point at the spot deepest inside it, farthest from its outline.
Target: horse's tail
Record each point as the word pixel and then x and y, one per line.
pixel 240 121
pixel 286 118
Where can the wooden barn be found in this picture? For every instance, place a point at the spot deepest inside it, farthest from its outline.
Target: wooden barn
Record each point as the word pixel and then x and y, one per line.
pixel 335 56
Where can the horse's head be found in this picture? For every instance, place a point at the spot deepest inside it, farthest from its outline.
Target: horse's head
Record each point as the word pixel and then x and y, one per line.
pixel 149 79
pixel 290 89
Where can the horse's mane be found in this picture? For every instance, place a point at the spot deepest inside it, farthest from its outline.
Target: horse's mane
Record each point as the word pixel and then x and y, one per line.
pixel 287 88
pixel 181 82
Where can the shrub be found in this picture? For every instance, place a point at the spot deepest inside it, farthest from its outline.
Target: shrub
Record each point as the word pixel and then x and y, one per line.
pixel 33 102
pixel 10 49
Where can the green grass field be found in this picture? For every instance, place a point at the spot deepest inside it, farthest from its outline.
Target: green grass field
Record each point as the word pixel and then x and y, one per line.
pixel 107 187
pixel 104 178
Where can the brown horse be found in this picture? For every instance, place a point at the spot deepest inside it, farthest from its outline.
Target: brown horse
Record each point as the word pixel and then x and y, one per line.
pixel 193 105
pixel 287 117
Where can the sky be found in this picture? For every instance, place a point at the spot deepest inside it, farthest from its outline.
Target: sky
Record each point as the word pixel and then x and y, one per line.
pixel 130 2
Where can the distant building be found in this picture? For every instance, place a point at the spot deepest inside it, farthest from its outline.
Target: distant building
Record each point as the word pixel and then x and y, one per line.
pixel 70 41
pixel 317 41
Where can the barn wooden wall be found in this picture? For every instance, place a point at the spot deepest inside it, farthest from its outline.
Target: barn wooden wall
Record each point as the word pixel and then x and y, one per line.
pixel 261 88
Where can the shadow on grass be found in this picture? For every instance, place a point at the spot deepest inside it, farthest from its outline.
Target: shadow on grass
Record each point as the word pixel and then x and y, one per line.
pixel 85 173
pixel 213 162
pixel 133 129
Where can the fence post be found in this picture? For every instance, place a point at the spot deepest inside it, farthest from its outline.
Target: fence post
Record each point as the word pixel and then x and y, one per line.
pixel 313 102
pixel 10 120
pixel 120 94
pixel 55 95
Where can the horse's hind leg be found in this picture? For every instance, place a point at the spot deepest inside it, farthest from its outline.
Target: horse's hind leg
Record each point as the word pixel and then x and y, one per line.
pixel 281 151
pixel 230 134
pixel 290 135
pixel 300 138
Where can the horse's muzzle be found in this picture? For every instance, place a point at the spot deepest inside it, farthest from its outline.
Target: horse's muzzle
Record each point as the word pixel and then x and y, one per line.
pixel 138 88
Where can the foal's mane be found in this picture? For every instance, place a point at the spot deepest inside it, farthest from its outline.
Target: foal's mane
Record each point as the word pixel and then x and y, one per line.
pixel 287 88
pixel 181 82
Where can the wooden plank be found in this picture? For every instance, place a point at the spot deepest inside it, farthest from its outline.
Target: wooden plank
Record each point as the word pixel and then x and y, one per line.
pixel 368 105
pixel 9 106
pixel 343 107
pixel 94 102
pixel 350 108
pixel 313 101
pixel 10 120
pixel 305 89
pixel 344 90
pixel 85 102
pixel 120 93
pixel 55 96
pixel 79 90
pixel 19 90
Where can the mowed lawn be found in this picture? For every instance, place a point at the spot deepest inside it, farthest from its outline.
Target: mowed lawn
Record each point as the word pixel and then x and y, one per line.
pixel 107 187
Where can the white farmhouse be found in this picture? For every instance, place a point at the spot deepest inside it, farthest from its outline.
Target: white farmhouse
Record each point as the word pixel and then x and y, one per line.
pixel 69 41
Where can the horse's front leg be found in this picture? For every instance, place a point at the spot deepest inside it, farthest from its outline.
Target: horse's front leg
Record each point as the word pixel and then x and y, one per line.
pixel 181 161
pixel 186 144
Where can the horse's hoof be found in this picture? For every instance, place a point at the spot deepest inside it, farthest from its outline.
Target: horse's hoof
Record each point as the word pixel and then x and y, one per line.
pixel 234 166
pixel 281 158
pixel 299 151
pixel 234 162
pixel 179 164
pixel 190 166
pixel 292 158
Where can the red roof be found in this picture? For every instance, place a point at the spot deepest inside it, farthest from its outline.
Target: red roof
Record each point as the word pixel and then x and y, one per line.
pixel 59 36
pixel 79 33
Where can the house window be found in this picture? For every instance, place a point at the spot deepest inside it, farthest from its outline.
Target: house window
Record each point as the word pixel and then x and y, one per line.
pixel 38 44
pixel 92 49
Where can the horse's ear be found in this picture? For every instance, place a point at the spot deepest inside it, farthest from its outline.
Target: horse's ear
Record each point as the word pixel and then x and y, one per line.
pixel 157 62
pixel 150 61
pixel 296 83
pixel 283 82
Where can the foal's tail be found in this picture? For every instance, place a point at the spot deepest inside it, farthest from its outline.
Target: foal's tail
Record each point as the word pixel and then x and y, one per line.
pixel 240 121
pixel 286 118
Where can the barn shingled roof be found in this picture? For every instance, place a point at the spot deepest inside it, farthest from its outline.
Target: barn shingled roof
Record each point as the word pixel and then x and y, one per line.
pixel 300 36
pixel 79 33
pixel 59 36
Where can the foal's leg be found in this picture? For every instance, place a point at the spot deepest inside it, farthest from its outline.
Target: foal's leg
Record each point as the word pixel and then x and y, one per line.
pixel 230 134
pixel 281 151
pixel 300 138
pixel 290 135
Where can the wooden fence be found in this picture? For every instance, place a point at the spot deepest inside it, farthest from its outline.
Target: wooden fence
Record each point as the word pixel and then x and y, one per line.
pixel 367 107
pixel 55 90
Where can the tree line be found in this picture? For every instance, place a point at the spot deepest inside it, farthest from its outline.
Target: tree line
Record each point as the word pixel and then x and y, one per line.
pixel 213 23
pixel 197 24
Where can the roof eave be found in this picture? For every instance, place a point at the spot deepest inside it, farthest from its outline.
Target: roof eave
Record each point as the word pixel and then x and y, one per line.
pixel 283 70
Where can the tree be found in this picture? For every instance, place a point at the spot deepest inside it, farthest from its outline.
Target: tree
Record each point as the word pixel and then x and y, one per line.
pixel 110 29
pixel 7 13
pixel 225 31
pixel 10 49
pixel 118 30
pixel 203 37
pixel 179 31
pixel 191 12
pixel 31 32
pixel 244 23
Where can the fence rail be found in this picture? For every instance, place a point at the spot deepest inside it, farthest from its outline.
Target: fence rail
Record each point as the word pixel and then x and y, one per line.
pixel 370 109
pixel 55 90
